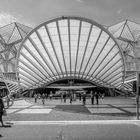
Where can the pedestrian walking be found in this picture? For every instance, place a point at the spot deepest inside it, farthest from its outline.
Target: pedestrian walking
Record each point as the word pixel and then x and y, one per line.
pixel 65 97
pixel 8 101
pixel 51 95
pixel 71 98
pixel 80 96
pixel 43 98
pixel 35 96
pixel 61 97
pixel 92 97
pixel 84 98
pixel 39 95
pixel 74 96
pixel 1 111
pixel 97 97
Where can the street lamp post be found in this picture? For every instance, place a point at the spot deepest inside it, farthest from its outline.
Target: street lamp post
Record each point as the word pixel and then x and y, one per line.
pixel 137 97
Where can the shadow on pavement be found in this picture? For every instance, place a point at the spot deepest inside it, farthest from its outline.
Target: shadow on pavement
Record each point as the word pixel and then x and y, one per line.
pixel 6 126
pixel 116 114
pixel 73 108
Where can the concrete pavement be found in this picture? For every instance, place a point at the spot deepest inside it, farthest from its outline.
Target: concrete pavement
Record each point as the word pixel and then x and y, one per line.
pixel 97 131
pixel 109 108
pixel 113 118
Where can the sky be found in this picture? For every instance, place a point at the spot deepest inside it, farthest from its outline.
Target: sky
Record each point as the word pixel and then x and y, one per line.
pixel 34 12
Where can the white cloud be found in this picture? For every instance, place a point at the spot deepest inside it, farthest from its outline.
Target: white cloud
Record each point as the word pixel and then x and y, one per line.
pixel 6 18
pixel 80 1
pixel 119 11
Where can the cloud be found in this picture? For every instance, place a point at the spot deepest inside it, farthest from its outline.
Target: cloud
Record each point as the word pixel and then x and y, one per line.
pixel 6 18
pixel 80 1
pixel 119 11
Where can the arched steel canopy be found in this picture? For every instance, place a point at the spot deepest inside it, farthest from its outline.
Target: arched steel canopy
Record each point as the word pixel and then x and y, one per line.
pixel 70 47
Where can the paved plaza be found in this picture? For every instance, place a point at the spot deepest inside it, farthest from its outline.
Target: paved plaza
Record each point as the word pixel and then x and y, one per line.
pixel 113 118
pixel 109 108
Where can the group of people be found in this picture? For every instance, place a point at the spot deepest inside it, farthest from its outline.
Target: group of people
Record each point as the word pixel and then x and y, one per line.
pixel 72 97
pixel 94 95
pixel 43 97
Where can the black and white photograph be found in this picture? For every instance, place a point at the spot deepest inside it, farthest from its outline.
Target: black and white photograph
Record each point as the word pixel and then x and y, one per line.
pixel 69 69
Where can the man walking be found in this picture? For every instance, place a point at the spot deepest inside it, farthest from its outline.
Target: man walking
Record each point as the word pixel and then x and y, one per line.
pixel 84 98
pixel 35 96
pixel 92 97
pixel 97 97
pixel 43 98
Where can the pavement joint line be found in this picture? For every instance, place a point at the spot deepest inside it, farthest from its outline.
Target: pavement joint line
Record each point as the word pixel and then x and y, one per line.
pixel 138 124
pixel 119 108
pixel 36 104
pixel 86 122
pixel 20 109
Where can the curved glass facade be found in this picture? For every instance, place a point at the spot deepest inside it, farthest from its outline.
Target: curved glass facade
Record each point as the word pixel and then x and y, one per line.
pixel 70 47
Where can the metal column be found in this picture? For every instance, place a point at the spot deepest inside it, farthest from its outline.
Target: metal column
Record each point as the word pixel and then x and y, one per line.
pixel 137 97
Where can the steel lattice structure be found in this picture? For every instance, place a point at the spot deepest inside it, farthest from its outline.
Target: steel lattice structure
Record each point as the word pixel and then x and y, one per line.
pixel 127 34
pixel 11 36
pixel 69 48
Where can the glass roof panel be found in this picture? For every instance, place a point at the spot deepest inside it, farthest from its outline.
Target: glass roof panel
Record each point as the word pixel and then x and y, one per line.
pixel 50 52
pixel 28 60
pixel 32 67
pixel 112 70
pixel 85 29
pixel 116 81
pixel 42 34
pixel 27 79
pixel 28 75
pixel 115 77
pixel 135 29
pixel 57 45
pixel 108 63
pixel 74 34
pixel 15 36
pixel 126 33
pixel 38 52
pixel 117 27
pixel 64 35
